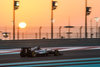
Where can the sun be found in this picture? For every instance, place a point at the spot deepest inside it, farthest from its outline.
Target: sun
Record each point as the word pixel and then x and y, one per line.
pixel 22 25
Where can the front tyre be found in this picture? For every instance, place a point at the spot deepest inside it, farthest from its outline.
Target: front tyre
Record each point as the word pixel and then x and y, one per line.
pixel 22 54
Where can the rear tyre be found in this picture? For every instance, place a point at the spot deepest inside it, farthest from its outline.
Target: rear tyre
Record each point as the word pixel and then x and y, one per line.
pixel 56 53
pixel 46 54
pixel 33 54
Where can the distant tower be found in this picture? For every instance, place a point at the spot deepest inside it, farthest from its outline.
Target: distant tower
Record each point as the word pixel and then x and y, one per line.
pixel 69 27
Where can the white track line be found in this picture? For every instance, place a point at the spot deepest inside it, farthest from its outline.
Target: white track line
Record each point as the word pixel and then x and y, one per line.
pixel 59 48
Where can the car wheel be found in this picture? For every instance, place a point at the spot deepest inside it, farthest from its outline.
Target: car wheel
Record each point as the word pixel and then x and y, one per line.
pixel 33 54
pixel 56 53
pixel 22 54
pixel 46 54
pixel 29 54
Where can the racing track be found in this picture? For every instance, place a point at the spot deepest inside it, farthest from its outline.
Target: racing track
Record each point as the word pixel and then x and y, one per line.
pixel 76 58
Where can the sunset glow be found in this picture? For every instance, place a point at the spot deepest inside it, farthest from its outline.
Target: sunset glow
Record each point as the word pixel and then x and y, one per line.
pixel 32 10
pixel 37 13
pixel 22 25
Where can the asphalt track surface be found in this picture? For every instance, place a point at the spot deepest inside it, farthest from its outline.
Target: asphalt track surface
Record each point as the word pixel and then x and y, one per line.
pixel 76 58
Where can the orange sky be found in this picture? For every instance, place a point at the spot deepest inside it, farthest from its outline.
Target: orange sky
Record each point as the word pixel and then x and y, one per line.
pixel 37 12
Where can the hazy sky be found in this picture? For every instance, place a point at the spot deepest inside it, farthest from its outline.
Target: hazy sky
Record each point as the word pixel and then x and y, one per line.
pixel 37 12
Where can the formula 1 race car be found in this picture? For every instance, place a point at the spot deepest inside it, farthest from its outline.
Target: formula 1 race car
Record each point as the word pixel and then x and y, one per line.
pixel 37 51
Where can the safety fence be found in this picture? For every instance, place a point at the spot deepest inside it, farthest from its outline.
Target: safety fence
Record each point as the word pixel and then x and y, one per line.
pixel 44 32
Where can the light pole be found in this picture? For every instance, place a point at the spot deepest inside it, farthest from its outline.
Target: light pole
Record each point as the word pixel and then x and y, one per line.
pixel 97 20
pixel 36 35
pixel 69 28
pixel 91 29
pixel 60 31
pixel 40 32
pixel 15 7
pixel 87 12
pixel 18 33
pixel 99 32
pixel 22 35
pixel 81 32
pixel 85 19
pixel 53 7
pixel 47 35
pixel 77 35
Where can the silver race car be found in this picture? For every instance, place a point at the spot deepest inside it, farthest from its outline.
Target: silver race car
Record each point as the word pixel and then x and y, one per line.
pixel 37 51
